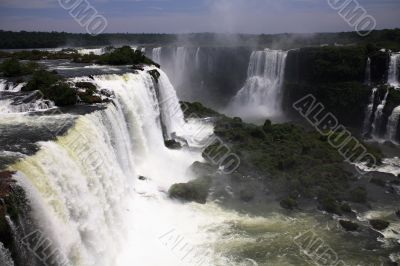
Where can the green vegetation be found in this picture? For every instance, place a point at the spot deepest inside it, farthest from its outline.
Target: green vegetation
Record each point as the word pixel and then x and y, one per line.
pixel 198 110
pixel 119 56
pixel 196 190
pixel 292 161
pixel 382 38
pixel 53 87
pixel 14 68
pixel 346 100
pixel 327 64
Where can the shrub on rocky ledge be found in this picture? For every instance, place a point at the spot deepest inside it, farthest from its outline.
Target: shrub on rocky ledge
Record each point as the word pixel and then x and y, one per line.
pixel 52 87
pixel 14 68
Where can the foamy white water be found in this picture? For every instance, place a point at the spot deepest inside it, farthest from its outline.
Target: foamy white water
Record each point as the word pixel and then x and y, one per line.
pixel 84 188
pixel 378 116
pixel 369 111
pixel 393 75
pixel 393 124
pixel 156 55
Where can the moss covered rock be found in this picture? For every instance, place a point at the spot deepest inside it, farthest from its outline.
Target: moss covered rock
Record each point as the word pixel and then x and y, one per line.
pixel 348 225
pixel 196 190
pixel 172 144
pixel 289 203
pixel 378 224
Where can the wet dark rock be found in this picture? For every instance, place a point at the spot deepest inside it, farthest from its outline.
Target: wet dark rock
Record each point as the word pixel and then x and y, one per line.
pixel 142 178
pixel 201 169
pixel 289 203
pixel 346 208
pixel 377 181
pixel 358 195
pixel 246 194
pixel 330 205
pixel 196 190
pixel 138 67
pixel 172 144
pixel 398 213
pixel 107 93
pixel 89 87
pixel 5 182
pixel 91 99
pixel 348 225
pixel 155 74
pixel 379 224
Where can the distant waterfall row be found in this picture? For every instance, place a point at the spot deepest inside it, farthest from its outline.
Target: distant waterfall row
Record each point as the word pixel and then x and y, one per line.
pixel 261 95
pixel 211 75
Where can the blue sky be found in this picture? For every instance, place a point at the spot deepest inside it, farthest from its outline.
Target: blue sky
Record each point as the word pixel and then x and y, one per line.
pixel 181 16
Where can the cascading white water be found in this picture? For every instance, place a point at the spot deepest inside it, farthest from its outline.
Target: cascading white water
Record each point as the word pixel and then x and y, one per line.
pixel 261 95
pixel 369 111
pixel 393 75
pixel 8 106
pixel 84 188
pixel 9 86
pixel 368 72
pixel 181 57
pixel 96 51
pixel 378 116
pixel 393 123
pixel 197 58
pixel 156 55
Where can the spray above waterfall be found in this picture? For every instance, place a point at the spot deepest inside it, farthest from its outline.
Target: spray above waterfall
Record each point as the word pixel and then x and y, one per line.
pixel 261 95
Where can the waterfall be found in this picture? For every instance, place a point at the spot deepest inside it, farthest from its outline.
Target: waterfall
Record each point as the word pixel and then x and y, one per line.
pixel 393 125
pixel 393 75
pixel 261 95
pixel 369 112
pixel 376 125
pixel 156 55
pixel 84 190
pixel 368 72
pixel 11 107
pixel 197 58
pixel 181 57
pixel 9 86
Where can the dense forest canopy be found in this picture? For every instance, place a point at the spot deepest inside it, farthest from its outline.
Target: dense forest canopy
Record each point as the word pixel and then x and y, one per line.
pixel 21 40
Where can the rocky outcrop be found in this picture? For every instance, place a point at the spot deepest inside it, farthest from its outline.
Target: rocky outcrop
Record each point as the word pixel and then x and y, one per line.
pixel 196 190
pixel 348 225
pixel 379 225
